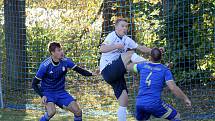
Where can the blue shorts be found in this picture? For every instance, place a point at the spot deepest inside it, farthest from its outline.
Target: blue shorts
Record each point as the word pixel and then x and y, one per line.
pixel 61 98
pixel 113 74
pixel 161 110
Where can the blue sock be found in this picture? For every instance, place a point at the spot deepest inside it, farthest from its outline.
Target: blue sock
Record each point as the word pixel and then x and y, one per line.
pixel 77 118
pixel 45 117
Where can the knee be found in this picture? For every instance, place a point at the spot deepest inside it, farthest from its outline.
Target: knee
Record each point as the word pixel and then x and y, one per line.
pixel 176 118
pixel 123 99
pixel 51 113
pixel 78 112
pixel 129 54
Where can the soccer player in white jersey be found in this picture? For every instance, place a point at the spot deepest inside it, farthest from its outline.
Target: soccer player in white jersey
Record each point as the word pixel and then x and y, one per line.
pixel 114 59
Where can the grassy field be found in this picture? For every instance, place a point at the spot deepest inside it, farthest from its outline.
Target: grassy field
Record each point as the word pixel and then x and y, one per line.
pixel 13 115
pixel 32 115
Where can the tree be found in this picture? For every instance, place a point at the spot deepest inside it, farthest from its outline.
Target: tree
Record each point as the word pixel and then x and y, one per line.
pixel 16 58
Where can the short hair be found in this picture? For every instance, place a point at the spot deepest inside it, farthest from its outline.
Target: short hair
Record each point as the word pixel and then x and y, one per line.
pixel 119 20
pixel 53 46
pixel 156 54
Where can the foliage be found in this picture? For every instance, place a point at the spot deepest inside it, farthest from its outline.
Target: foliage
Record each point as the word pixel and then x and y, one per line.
pixel 184 28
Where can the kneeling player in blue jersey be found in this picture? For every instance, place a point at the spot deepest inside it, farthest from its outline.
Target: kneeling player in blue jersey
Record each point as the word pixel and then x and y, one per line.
pixel 51 76
pixel 153 76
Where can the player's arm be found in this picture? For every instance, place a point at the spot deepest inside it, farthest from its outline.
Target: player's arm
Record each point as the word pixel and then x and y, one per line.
pixel 107 48
pixel 109 45
pixel 147 50
pixel 175 89
pixel 144 49
pixel 39 76
pixel 36 87
pixel 178 92
pixel 83 72
pixel 132 67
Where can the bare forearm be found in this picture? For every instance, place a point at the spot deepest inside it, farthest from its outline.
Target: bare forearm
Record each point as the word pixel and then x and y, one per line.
pixel 107 48
pixel 144 49
pixel 179 93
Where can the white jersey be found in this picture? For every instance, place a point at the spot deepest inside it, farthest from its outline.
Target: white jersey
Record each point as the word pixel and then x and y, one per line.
pixel 112 38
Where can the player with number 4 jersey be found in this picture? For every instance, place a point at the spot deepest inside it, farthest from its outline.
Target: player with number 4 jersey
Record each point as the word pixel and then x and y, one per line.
pixel 153 77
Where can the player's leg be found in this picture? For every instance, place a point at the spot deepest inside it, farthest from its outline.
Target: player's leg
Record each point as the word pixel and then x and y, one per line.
pixel 126 57
pixel 131 56
pixel 50 112
pixel 141 115
pixel 75 109
pixel 113 74
pixel 66 101
pixel 167 111
pixel 50 106
pixel 121 93
pixel 114 71
pixel 123 103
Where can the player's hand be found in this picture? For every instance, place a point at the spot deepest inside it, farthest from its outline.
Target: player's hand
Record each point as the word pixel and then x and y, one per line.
pixel 119 46
pixel 43 100
pixel 169 65
pixel 97 72
pixel 187 102
pixel 162 49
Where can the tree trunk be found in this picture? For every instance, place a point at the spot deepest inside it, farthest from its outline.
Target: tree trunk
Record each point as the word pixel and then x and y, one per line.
pixel 16 57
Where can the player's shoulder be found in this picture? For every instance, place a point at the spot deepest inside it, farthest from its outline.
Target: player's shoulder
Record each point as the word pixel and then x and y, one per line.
pixel 66 59
pixel 46 62
pixel 164 67
pixel 112 34
pixel 154 66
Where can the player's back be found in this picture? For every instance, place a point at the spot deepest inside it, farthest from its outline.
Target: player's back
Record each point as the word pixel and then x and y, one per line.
pixel 152 80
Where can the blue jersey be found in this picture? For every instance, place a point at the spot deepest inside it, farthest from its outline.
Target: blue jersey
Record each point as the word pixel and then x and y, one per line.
pixel 53 76
pixel 152 80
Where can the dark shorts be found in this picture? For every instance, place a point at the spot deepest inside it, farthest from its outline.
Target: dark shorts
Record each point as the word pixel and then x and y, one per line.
pixel 113 74
pixel 161 110
pixel 61 98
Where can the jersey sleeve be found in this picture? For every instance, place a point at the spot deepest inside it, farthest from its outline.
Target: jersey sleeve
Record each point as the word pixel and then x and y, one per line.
pixel 70 63
pixel 41 72
pixel 168 76
pixel 108 40
pixel 136 68
pixel 131 43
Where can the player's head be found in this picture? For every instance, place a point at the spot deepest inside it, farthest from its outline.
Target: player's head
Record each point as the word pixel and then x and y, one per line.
pixel 156 55
pixel 121 26
pixel 56 50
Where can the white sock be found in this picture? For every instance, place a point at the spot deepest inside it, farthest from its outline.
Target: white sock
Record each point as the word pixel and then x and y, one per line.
pixel 136 58
pixel 121 113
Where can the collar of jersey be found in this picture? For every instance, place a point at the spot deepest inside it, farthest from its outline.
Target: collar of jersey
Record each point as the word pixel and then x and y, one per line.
pixel 155 63
pixel 54 64
pixel 118 35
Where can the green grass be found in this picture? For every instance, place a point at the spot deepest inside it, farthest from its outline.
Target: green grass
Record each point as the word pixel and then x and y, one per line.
pixel 33 115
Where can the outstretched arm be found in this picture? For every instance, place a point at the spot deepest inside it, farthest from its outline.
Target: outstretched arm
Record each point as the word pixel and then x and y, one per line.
pixel 144 49
pixel 178 92
pixel 35 86
pixel 84 72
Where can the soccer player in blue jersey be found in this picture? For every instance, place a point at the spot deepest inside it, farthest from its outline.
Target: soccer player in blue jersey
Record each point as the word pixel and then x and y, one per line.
pixel 153 77
pixel 51 77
